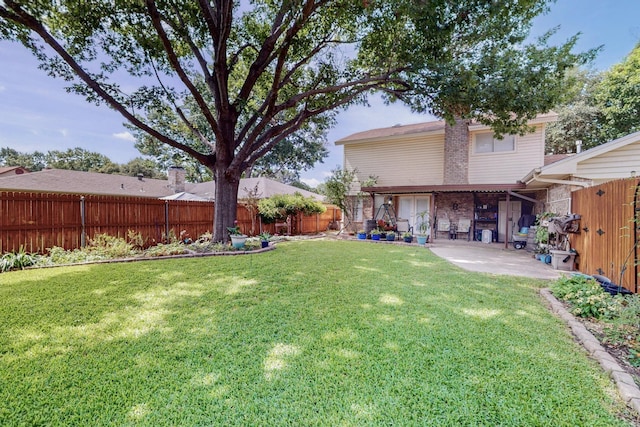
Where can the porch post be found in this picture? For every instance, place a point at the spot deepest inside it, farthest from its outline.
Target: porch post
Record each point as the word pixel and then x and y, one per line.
pixel 506 227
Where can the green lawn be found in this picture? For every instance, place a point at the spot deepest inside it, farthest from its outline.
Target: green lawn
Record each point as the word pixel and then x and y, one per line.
pixel 313 333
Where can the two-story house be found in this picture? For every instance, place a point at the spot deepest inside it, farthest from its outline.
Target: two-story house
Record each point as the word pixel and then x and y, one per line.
pixel 474 178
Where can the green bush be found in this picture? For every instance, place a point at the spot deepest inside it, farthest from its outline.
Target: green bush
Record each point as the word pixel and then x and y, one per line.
pixel 58 255
pixel 279 206
pixel 160 249
pixel 17 260
pixel 110 246
pixel 585 297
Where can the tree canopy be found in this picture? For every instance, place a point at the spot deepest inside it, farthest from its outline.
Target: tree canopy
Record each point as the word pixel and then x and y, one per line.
pixel 619 95
pixel 225 82
pixel 79 159
pixel 599 107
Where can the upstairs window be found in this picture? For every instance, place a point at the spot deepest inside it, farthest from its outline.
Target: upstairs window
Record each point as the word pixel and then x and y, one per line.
pixel 488 143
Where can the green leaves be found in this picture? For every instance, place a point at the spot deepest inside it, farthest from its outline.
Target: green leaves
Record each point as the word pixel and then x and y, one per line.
pixel 279 206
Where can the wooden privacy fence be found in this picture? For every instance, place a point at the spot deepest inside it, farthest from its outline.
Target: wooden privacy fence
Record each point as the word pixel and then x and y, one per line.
pixel 607 242
pixel 37 221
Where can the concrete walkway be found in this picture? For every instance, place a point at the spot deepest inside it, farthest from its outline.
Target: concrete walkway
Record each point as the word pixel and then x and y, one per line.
pixel 493 258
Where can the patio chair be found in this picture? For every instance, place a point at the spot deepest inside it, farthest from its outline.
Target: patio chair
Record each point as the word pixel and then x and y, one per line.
pixel 443 226
pixel 464 226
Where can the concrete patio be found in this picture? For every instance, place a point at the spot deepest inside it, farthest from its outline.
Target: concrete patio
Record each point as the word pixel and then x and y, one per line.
pixel 493 258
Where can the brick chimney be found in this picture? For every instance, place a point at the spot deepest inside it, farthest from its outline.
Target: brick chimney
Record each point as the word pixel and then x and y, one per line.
pixel 177 176
pixel 456 152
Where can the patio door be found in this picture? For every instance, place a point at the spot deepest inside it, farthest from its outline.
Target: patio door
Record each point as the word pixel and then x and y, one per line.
pixel 410 206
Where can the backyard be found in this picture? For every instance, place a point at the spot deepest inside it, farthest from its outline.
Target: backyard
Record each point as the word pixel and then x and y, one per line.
pixel 319 332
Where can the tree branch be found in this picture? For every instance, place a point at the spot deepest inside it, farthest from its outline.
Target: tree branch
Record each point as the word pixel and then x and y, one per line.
pixel 175 63
pixel 20 16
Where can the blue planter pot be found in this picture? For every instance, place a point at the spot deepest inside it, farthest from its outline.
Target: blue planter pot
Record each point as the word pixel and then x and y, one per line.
pixel 422 240
pixel 391 237
pixel 375 237
pixel 408 239
pixel 264 243
pixel 362 236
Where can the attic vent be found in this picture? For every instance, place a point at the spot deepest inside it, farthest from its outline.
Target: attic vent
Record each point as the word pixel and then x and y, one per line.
pixel 122 186
pixel 397 125
pixel 140 176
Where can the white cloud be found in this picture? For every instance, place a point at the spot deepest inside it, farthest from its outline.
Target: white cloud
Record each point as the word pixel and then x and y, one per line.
pixel 64 132
pixel 311 182
pixel 127 136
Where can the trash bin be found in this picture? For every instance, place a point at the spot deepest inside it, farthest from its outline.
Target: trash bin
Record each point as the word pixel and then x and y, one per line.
pixel 487 236
pixel 478 236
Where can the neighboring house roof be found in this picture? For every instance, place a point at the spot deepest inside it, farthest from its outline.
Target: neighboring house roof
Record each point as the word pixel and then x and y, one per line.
pixel 615 159
pixel 436 126
pixel 12 170
pixel 69 181
pixel 77 182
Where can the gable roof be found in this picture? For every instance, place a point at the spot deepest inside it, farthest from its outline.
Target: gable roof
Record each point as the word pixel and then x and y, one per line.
pixel 77 182
pixel 569 165
pixel 431 127
pixel 397 130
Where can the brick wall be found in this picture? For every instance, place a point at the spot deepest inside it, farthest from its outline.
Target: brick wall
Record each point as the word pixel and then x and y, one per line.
pixel 445 206
pixel 456 153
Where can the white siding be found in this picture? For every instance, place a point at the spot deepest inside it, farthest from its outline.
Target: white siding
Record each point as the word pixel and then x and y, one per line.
pixel 614 164
pixel 508 167
pixel 412 160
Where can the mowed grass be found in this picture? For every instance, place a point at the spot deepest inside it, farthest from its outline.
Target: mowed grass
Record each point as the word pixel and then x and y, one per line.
pixel 314 333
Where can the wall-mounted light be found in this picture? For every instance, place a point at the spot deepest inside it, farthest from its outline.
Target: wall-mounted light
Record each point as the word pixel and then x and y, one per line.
pixel 633 174
pixel 390 201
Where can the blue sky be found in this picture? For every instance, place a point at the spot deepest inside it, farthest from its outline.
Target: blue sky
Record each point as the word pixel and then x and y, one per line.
pixel 37 114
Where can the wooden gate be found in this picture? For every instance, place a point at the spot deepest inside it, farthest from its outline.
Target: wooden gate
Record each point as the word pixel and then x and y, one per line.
pixel 608 240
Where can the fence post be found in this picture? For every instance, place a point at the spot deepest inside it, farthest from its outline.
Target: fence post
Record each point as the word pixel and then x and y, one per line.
pixel 166 221
pixel 83 233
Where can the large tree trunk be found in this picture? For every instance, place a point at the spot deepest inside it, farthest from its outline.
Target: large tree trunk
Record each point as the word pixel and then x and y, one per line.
pixel 226 204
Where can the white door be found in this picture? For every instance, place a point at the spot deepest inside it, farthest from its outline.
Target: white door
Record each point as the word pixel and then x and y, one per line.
pixel 507 224
pixel 410 206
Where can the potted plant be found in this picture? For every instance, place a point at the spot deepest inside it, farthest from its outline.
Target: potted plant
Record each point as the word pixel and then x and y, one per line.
pixel 423 228
pixel 264 238
pixel 391 236
pixel 237 238
pixel 362 235
pixel 407 237
pixel 375 234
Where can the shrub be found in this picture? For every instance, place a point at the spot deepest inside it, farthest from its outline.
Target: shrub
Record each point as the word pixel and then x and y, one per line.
pixel 585 297
pixel 58 255
pixel 625 327
pixel 110 246
pixel 136 239
pixel 279 206
pixel 160 249
pixel 17 260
